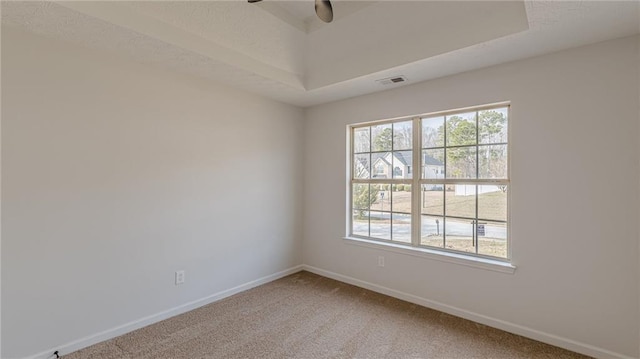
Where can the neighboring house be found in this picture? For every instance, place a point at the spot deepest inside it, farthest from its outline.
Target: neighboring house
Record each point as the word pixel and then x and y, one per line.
pixel 432 168
pixel 397 165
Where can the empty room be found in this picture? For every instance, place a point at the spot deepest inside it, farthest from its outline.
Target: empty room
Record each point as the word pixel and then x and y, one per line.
pixel 320 179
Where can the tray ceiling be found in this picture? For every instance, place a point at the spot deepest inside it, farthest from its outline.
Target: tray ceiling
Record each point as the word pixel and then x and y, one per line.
pixel 280 50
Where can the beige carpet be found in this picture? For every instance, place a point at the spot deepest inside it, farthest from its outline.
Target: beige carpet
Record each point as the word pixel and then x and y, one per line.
pixel 308 316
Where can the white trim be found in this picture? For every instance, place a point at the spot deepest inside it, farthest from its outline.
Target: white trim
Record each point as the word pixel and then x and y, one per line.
pixel 416 181
pixel 76 345
pixel 552 339
pixel 442 256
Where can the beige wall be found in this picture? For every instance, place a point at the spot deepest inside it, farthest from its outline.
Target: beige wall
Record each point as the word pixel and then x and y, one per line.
pixel 574 198
pixel 115 175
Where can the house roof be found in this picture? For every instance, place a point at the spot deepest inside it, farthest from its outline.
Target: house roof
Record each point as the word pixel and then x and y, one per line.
pixel 404 157
pixel 380 156
pixel 430 161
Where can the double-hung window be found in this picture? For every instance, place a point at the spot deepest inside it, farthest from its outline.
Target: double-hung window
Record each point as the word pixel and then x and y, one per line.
pixel 456 197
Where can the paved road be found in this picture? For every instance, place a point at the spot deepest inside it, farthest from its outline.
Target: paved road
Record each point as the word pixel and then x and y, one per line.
pixel 462 228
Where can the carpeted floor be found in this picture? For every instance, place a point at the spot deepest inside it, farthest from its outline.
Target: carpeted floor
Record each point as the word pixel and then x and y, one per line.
pixel 308 316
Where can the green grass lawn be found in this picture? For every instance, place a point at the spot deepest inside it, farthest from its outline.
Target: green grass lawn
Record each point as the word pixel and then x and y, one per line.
pixel 491 206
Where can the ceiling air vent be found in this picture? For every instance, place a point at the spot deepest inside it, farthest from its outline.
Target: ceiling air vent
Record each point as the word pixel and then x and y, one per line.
pixel 392 80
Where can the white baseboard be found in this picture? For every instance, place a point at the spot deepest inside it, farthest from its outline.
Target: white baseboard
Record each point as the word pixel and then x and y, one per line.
pixel 479 318
pixel 154 318
pixel 558 341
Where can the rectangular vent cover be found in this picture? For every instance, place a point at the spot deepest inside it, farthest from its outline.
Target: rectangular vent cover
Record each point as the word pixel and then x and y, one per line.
pixel 392 80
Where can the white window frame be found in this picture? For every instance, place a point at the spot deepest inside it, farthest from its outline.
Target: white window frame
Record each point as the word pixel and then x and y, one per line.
pixel 416 248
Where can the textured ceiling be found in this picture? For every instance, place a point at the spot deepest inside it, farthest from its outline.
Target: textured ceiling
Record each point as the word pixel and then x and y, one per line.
pixel 233 24
pixel 302 10
pixel 54 21
pixel 392 34
pixel 276 50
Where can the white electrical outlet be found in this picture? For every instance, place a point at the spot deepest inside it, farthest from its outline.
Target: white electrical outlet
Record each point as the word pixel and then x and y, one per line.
pixel 179 277
pixel 380 261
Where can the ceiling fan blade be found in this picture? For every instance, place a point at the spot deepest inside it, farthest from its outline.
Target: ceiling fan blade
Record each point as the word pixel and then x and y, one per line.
pixel 324 10
pixel 252 1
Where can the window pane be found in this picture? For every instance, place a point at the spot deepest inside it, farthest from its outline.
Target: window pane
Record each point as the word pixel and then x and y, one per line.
pixel 492 239
pixel 433 132
pixel 381 137
pixel 459 234
pixel 461 162
pixel 493 125
pixel 381 164
pixel 360 222
pixel 380 225
pixel 432 231
pixel 432 199
pixel 380 197
pixel 493 161
pixel 401 227
pixel 461 201
pixel 361 167
pixel 432 164
pixel 401 163
pixel 402 135
pixel 461 129
pixel 401 198
pixel 492 202
pixel 361 141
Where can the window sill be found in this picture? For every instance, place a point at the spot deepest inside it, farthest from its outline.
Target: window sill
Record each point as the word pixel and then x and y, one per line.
pixel 455 258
